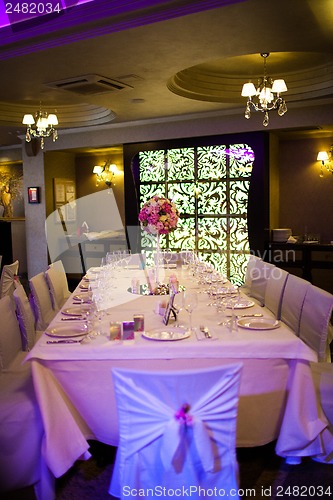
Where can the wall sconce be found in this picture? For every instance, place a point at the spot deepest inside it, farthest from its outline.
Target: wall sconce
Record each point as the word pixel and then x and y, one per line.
pixel 326 158
pixel 105 173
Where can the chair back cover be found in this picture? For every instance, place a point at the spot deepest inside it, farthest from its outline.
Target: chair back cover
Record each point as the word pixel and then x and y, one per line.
pixel 274 290
pixel 25 317
pixel 260 275
pixel 62 277
pixel 10 335
pixel 251 264
pixel 293 300
pixel 177 430
pixel 8 277
pixel 42 301
pixel 315 321
pixel 55 282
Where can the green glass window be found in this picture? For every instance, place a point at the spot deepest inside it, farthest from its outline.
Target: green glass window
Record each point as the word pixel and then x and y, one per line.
pixel 210 186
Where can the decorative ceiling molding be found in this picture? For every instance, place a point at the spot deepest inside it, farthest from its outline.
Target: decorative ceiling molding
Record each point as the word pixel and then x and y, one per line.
pixel 221 80
pixel 69 116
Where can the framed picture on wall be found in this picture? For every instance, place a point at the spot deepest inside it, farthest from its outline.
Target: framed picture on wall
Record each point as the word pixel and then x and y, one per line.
pixel 64 199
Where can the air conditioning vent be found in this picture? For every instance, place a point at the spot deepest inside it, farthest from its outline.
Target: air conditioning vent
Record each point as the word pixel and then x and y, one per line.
pixel 89 85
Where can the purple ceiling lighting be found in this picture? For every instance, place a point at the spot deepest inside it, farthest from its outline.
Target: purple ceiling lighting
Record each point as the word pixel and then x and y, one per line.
pixel 23 33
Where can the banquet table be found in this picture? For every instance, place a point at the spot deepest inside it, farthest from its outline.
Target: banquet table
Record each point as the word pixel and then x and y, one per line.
pixel 73 382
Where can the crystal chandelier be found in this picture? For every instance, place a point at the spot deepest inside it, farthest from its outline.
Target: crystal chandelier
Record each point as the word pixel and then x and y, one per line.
pixel 263 97
pixel 41 125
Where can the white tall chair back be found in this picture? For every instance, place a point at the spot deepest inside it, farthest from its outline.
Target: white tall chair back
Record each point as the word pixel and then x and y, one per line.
pixel 59 267
pixel 260 275
pixel 25 317
pixel 8 277
pixel 274 290
pixel 42 301
pixel 251 264
pixel 55 282
pixel 315 321
pixel 293 300
pixel 10 335
pixel 177 429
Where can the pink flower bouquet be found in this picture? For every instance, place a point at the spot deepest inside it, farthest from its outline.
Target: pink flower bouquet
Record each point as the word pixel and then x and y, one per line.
pixel 159 216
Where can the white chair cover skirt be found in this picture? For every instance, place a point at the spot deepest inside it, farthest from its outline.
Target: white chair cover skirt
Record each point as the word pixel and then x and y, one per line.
pixel 162 446
pixel 21 431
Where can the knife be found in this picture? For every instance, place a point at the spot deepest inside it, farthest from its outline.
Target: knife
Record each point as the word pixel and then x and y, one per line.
pixel 64 341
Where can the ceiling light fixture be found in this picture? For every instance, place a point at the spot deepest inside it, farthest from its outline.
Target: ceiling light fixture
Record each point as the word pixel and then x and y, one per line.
pixel 264 98
pixel 326 158
pixel 41 125
pixel 105 173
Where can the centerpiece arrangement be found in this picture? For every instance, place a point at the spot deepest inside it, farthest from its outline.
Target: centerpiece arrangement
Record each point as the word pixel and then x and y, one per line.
pixel 158 216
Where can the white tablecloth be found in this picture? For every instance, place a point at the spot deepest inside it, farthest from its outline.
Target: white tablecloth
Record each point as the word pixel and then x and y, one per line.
pixel 75 391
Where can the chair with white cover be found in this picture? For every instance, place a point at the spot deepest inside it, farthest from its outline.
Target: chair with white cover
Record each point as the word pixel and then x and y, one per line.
pixel 21 429
pixel 274 290
pixel 41 297
pixel 177 429
pixel 293 300
pixel 9 278
pixel 56 283
pixel 259 278
pixel 59 267
pixel 315 321
pixel 25 318
pixel 251 264
pixel 10 336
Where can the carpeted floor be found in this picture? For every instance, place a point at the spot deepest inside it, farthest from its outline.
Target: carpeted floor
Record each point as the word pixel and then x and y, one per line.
pixel 263 475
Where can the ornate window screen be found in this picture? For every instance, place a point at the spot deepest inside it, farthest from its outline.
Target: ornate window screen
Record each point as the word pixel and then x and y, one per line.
pixel 210 186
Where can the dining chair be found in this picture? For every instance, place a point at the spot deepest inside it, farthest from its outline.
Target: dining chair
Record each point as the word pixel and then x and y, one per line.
pixel 25 318
pixel 10 335
pixel 274 290
pixel 251 264
pixel 259 278
pixel 57 280
pixel 315 321
pixel 42 303
pixel 292 301
pixel 9 278
pixel 21 429
pixel 176 429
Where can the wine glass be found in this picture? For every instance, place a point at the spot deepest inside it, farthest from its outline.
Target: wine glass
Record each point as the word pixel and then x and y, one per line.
pixel 167 256
pixel 190 302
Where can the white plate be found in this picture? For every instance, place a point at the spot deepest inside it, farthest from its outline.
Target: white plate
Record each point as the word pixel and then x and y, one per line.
pixel 75 311
pixel 67 331
pixel 242 304
pixel 83 297
pixel 84 286
pixel 174 334
pixel 258 323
